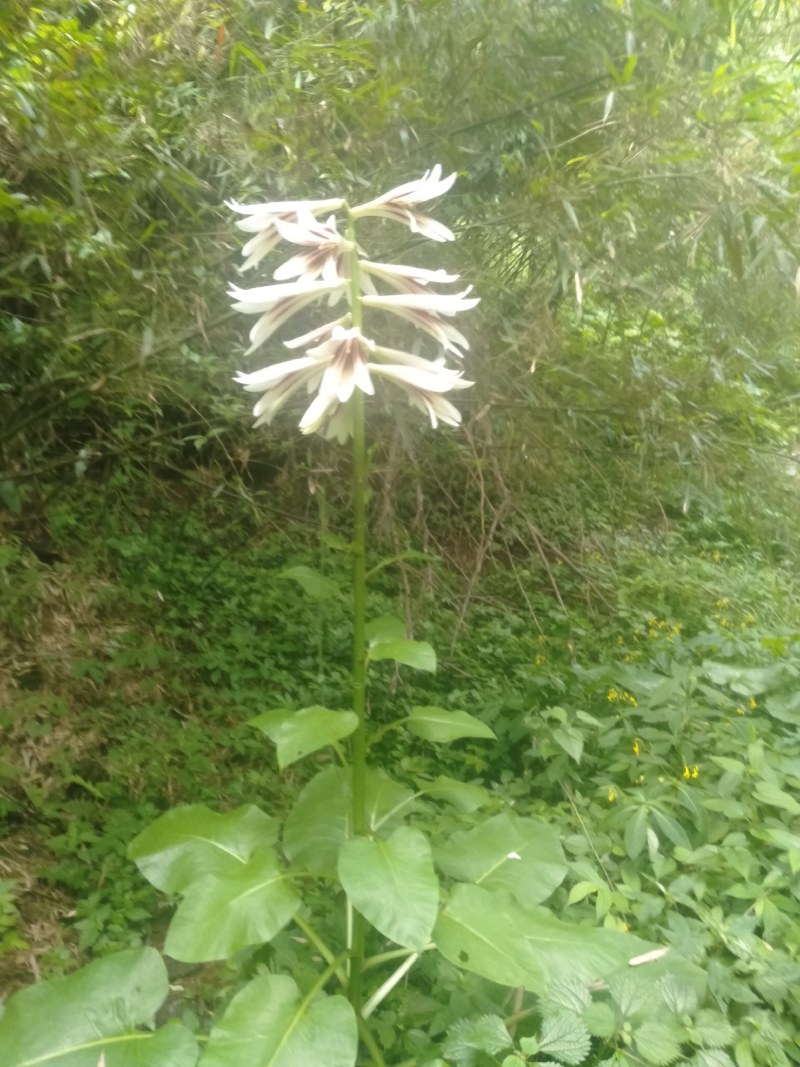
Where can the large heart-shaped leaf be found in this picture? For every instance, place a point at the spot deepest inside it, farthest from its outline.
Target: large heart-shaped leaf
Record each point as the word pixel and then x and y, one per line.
pixel 437 724
pixel 220 915
pixel 267 1024
pixel 188 843
pixel 70 1022
pixel 317 824
pixel 320 820
pixel 474 932
pixel 393 884
pixel 298 733
pixel 522 856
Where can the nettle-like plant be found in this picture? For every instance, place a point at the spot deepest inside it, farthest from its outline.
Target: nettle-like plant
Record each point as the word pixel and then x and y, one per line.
pixel 373 876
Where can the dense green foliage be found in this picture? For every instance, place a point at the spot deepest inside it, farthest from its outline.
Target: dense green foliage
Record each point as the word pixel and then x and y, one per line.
pixel 607 561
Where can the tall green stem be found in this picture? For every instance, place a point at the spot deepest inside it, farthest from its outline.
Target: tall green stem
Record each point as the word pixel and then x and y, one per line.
pixel 359 738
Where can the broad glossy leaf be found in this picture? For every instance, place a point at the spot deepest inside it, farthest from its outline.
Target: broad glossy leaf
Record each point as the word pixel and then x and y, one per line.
pixel 465 796
pixel 320 820
pixel 417 654
pixel 69 1022
pixel 220 915
pixel 313 584
pixel 186 844
pixel 393 884
pixel 475 933
pixel 771 794
pixel 317 824
pixel 437 724
pixel 522 856
pixel 298 733
pixel 268 1024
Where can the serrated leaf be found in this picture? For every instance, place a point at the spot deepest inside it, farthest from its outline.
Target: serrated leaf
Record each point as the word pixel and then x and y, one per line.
pixel 462 795
pixel 631 994
pixel 313 584
pixel 474 933
pixel 678 997
pixel 393 884
pixel 712 1029
pixel 716 1057
pixel 220 915
pixel 567 993
pixel 523 856
pixel 416 654
pixel 658 1043
pixel 600 1020
pixel 68 1022
pixel 437 724
pixel 299 733
pixel 267 1024
pixel 188 843
pixel 487 1034
pixel 565 1036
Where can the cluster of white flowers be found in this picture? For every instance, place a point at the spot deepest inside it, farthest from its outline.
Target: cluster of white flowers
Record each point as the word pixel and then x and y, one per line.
pixel 339 357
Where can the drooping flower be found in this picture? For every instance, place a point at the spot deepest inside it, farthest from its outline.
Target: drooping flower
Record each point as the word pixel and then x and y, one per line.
pixel 277 303
pixel 262 218
pixel 396 204
pixel 402 278
pixel 425 311
pixel 424 389
pixel 327 250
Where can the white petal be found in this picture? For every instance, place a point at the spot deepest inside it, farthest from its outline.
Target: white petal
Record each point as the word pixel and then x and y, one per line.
pixel 317 335
pixel 258 380
pixel 390 271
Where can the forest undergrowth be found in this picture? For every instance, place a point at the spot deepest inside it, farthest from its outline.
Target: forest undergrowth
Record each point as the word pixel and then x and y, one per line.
pixel 657 738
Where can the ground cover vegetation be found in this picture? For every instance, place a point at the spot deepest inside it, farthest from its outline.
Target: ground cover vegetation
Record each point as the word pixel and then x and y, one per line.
pixel 603 555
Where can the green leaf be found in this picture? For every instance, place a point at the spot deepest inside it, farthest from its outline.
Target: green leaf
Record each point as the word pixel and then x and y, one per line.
pixel 658 1043
pixel 716 1057
pixel 69 1022
pixel 317 824
pixel 566 994
pixel 320 820
pixel 771 794
pixel 220 915
pixel 298 733
pixel 712 1029
pixel 636 833
pixel 474 933
pixel 520 855
pixel 487 1034
pixel 462 795
pixel 267 1024
pixel 188 843
pixel 417 654
pixel 437 724
pixel 393 884
pixel 570 740
pixel 566 1037
pixel 671 828
pixel 679 997
pixel 600 1020
pixel 314 584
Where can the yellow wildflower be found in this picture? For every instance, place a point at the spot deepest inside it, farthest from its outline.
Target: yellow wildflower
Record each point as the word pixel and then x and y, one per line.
pixel 612 695
pixel 752 703
pixel 540 659
pixel 740 710
pixel 691 772
pixel 612 794
pixel 636 748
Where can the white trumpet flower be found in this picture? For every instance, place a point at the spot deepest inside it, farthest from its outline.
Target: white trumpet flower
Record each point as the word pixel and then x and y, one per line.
pixel 339 358
pixel 262 218
pixel 396 204
pixel 277 303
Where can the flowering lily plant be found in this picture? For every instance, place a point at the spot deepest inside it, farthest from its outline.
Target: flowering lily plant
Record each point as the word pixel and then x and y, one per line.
pixel 341 355
pixel 409 885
